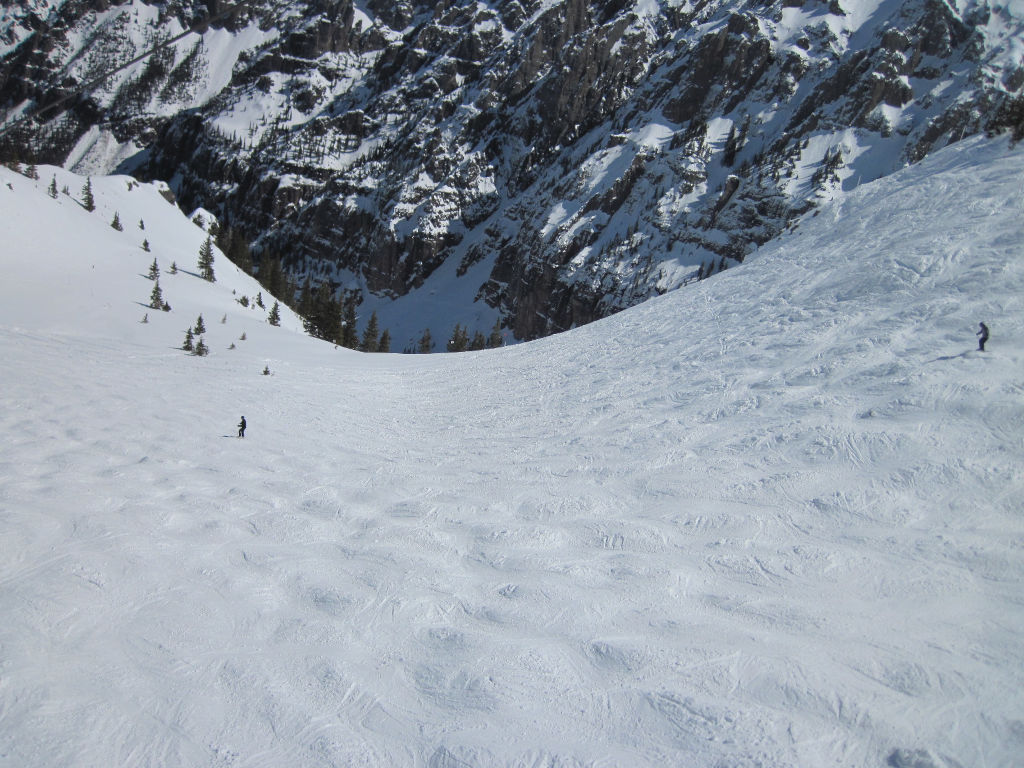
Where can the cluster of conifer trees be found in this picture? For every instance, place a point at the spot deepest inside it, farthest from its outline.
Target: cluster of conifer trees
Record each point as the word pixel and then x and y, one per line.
pixel 194 342
pixel 708 269
pixel 460 340
pixel 199 347
pixel 323 316
pixel 156 296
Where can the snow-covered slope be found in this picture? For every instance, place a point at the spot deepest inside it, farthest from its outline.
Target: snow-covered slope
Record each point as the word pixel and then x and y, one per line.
pixel 775 519
pixel 68 271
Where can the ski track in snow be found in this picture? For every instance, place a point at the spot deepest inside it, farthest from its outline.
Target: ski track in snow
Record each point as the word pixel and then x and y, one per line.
pixel 773 519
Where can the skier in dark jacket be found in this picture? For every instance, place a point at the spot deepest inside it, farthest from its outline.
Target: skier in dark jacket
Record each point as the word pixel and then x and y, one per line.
pixel 982 337
pixel 241 427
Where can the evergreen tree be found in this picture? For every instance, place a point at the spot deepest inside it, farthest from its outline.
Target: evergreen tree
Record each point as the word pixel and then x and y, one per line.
pixel 174 268
pixel 266 370
pixel 459 340
pixel 52 189
pixel 369 343
pixel 495 340
pixel 201 349
pixel 154 271
pixel 145 245
pixel 324 317
pixel 200 326
pixel 426 343
pixel 259 299
pixel 479 342
pixel 206 261
pixel 156 298
pixel 116 223
pixel 188 346
pixel 274 318
pixel 32 172
pixel 350 333
pixel 88 202
pixel 142 224
pixel 384 345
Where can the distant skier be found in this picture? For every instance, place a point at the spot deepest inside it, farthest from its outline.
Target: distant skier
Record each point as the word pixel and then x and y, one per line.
pixel 241 427
pixel 982 337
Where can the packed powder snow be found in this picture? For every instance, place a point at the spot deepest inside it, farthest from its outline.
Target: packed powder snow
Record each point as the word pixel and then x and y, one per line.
pixel 773 518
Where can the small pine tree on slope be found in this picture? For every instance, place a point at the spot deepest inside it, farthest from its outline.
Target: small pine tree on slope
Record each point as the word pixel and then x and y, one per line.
pixel 349 331
pixel 206 261
pixel 459 340
pixel 88 202
pixel 369 343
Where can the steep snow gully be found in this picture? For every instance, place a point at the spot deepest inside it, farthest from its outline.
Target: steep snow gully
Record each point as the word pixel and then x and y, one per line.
pixel 771 520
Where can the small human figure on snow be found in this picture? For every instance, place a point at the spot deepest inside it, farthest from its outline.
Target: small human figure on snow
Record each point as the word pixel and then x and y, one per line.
pixel 982 337
pixel 241 427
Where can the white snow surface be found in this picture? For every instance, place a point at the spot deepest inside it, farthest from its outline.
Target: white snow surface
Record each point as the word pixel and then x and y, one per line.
pixel 774 519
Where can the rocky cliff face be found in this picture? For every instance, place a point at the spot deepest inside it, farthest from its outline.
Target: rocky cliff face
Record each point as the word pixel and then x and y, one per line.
pixel 546 163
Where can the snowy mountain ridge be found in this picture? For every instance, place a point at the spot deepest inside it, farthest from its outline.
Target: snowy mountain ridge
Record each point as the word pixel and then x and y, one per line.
pixel 772 520
pixel 539 163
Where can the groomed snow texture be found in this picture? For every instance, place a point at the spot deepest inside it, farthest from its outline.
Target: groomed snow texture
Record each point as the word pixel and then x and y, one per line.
pixel 773 519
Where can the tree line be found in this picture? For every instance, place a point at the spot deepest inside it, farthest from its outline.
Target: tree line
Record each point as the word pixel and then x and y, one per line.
pixel 336 319
pixel 323 316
